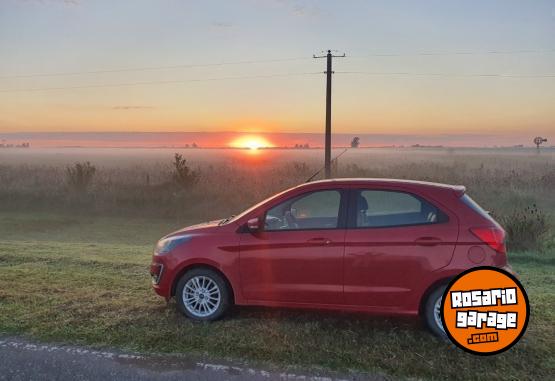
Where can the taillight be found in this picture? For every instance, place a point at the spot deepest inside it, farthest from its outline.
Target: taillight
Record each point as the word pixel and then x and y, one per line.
pixel 494 237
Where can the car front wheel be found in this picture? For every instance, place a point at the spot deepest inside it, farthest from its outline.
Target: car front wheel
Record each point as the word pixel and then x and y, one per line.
pixel 202 294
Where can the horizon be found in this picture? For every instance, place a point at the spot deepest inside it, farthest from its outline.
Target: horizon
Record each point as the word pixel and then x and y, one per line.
pixel 240 140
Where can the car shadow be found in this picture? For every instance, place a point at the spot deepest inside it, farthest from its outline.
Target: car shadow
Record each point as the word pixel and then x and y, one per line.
pixel 294 315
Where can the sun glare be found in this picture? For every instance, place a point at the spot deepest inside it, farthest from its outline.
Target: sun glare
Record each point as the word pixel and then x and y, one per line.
pixel 251 142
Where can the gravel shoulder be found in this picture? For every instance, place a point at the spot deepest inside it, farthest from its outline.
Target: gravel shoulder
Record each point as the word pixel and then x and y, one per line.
pixel 26 360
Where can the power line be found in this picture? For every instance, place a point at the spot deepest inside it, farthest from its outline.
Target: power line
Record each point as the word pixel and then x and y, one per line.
pixel 251 62
pixel 457 53
pixel 152 68
pixel 408 74
pixel 159 82
pixel 281 75
pixel 484 75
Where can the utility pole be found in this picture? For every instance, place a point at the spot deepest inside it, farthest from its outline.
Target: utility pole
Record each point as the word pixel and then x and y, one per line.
pixel 327 148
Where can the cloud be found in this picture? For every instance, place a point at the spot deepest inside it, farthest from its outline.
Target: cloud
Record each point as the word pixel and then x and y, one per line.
pixel 132 107
pixel 220 24
pixel 299 8
pixel 64 2
pixel 302 10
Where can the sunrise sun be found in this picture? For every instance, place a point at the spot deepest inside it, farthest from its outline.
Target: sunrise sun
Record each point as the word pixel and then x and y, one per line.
pixel 251 142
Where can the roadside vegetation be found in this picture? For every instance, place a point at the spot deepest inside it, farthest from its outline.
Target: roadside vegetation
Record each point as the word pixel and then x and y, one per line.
pixel 527 228
pixel 121 186
pixel 77 272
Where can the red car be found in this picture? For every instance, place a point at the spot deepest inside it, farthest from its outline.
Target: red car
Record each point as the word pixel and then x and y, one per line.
pixel 369 245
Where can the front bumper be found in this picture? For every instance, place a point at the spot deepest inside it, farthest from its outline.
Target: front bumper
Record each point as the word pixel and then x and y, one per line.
pixel 156 272
pixel 161 278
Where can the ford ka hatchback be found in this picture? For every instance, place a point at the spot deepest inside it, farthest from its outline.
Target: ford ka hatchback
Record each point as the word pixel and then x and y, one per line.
pixel 368 245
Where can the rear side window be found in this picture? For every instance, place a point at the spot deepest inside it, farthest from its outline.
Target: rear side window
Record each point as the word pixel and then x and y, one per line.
pixel 474 206
pixel 378 208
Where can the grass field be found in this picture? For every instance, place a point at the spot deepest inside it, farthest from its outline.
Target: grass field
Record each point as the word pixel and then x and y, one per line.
pixel 85 281
pixel 80 276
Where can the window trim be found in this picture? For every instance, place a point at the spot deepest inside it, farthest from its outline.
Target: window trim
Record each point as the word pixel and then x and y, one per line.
pixel 443 217
pixel 344 195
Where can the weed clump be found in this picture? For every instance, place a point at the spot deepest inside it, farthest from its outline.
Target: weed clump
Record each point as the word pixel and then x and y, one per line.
pixel 183 176
pixel 526 228
pixel 79 177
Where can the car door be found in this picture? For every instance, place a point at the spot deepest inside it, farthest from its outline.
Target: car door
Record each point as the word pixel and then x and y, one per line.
pixel 298 255
pixel 394 241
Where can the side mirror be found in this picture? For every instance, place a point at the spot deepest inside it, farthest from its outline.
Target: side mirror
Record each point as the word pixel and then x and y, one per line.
pixel 254 224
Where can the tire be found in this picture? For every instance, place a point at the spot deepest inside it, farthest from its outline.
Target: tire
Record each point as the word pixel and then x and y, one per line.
pixel 203 295
pixel 432 316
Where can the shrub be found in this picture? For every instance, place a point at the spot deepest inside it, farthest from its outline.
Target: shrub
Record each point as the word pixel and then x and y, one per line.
pixel 79 177
pixel 526 229
pixel 183 176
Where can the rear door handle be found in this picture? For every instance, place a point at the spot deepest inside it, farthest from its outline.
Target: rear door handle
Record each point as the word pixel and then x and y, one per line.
pixel 427 241
pixel 319 241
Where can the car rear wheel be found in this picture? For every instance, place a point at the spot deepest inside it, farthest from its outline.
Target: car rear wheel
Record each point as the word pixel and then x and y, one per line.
pixel 202 294
pixel 432 312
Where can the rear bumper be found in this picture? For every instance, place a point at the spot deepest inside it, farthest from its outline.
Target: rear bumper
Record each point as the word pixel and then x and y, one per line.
pixel 508 268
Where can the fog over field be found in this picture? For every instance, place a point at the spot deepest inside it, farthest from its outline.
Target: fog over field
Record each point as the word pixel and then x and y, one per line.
pixel 143 181
pixel 368 157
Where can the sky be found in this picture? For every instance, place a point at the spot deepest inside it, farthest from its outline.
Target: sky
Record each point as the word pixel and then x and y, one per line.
pixel 427 68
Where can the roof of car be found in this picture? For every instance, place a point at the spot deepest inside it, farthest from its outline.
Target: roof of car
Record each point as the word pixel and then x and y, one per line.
pixel 386 182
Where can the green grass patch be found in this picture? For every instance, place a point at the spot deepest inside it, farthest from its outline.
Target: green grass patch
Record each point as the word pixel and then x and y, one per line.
pixel 84 281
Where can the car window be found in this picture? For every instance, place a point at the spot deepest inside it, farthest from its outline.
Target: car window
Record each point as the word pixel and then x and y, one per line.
pixel 475 207
pixel 315 210
pixel 377 208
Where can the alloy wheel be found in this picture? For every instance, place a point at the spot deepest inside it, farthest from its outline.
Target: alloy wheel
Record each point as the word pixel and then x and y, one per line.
pixel 201 296
pixel 437 314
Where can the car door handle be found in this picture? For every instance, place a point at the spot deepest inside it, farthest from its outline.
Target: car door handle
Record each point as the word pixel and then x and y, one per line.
pixel 427 241
pixel 319 241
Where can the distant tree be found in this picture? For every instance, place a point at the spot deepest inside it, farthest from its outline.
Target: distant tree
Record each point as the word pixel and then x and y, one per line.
pixel 194 145
pixel 355 142
pixel 538 141
pixel 306 146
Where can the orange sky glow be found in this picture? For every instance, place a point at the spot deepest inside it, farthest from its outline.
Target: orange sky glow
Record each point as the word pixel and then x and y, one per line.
pixel 230 74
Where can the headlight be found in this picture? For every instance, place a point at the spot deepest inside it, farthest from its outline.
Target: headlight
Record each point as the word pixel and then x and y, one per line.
pixel 166 245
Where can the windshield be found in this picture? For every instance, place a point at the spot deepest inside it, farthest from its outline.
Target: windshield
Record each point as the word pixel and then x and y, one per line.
pixel 241 215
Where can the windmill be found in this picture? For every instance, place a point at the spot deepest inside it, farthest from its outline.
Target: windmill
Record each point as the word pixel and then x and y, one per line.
pixel 538 140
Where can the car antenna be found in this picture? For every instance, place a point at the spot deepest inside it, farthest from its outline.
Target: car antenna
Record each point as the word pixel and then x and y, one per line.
pixel 320 170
